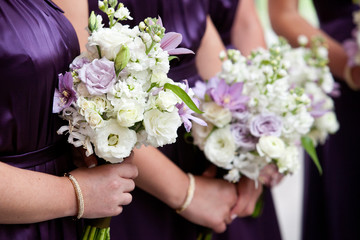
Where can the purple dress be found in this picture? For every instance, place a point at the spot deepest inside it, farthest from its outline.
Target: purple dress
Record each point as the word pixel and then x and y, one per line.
pixel 147 218
pixel 265 226
pixel 36 44
pixel 331 206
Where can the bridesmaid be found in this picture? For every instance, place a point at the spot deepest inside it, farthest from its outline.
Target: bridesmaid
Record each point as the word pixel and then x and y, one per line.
pixel 240 28
pixel 36 200
pixel 152 209
pixel 331 208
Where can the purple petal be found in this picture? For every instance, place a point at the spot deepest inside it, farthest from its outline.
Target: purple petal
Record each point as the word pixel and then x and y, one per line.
pixel 200 89
pixel 159 21
pixel 179 51
pixel 198 120
pixel 170 41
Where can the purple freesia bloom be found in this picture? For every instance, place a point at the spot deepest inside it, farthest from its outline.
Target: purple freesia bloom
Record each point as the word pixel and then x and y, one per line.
pixel 229 97
pixel 170 41
pixel 266 125
pixel 242 136
pixel 65 95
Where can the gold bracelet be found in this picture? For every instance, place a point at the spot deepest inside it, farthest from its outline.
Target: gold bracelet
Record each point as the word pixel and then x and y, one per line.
pixel 189 195
pixel 78 193
pixel 348 78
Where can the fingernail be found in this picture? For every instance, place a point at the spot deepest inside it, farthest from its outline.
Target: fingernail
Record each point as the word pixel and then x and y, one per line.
pixel 92 165
pixel 233 216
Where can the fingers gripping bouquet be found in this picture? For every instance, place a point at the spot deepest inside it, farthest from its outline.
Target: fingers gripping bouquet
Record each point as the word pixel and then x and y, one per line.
pixel 255 115
pixel 117 94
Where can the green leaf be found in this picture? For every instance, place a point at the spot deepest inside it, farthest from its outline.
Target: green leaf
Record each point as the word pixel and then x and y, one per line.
pixel 173 57
pixel 121 59
pixel 183 96
pixel 309 147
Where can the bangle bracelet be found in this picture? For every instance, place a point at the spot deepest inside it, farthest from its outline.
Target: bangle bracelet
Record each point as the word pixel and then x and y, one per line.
pixel 189 195
pixel 348 79
pixel 78 193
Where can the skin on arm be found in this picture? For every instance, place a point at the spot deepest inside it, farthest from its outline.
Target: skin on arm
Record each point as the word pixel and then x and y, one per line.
pixel 247 32
pixel 284 16
pixel 29 196
pixel 78 13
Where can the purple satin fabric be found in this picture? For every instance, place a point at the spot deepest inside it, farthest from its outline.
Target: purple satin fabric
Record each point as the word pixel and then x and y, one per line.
pixel 36 44
pixel 265 226
pixel 147 218
pixel 331 208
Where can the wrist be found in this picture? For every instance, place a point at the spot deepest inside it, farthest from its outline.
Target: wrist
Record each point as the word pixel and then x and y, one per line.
pixel 189 194
pixel 69 197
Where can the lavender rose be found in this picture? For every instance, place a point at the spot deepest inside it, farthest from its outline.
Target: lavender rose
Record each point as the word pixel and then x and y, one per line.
pixel 79 62
pixel 98 76
pixel 242 136
pixel 266 125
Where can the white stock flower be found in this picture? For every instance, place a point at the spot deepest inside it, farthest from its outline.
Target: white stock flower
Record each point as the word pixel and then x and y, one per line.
pixel 160 78
pixel 220 147
pixel 113 142
pixel 161 127
pixel 123 13
pixel 270 146
pixel 216 114
pixel 289 161
pixel 129 112
pixel 327 122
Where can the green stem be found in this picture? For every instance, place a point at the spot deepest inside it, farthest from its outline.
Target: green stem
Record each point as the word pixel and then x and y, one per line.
pixel 92 233
pixel 86 233
pixel 149 49
pixel 98 49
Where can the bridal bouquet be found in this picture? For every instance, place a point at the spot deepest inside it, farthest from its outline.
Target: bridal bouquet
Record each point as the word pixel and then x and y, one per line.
pixel 117 95
pixel 257 115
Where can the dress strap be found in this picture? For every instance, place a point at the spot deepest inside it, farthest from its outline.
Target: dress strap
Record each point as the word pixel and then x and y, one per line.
pixel 37 157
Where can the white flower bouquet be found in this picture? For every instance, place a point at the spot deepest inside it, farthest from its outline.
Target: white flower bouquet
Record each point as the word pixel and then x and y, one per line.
pixel 256 115
pixel 117 94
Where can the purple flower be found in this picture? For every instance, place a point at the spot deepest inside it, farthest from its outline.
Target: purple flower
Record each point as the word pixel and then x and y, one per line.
pixel 335 92
pixel 200 89
pixel 242 136
pixel 78 63
pixel 98 76
pixel 351 49
pixel 266 125
pixel 170 41
pixel 186 115
pixel 65 95
pixel 229 97
pixel 317 108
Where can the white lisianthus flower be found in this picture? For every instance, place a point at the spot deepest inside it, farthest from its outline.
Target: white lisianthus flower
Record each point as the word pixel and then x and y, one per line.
pixel 113 142
pixel 93 118
pixel 161 127
pixel 216 114
pixel 270 146
pixel 289 161
pixel 200 133
pixel 220 147
pixel 129 112
pixel 166 101
pixel 327 122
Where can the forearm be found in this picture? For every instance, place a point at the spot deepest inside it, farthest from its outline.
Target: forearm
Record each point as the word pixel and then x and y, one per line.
pixel 284 16
pixel 247 32
pixel 207 57
pixel 29 196
pixel 160 177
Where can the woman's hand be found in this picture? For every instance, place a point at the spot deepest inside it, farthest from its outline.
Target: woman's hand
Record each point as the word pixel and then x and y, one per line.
pixel 270 176
pixel 106 188
pixel 212 203
pixel 248 194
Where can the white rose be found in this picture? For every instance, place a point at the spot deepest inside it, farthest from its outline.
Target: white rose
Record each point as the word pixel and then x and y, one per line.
pixel 161 127
pixel 93 118
pixel 216 114
pixel 289 161
pixel 102 104
pixel 327 122
pixel 109 41
pixel 220 148
pixel 166 101
pixel 129 112
pixel 113 142
pixel 84 105
pixel 200 133
pixel 270 146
